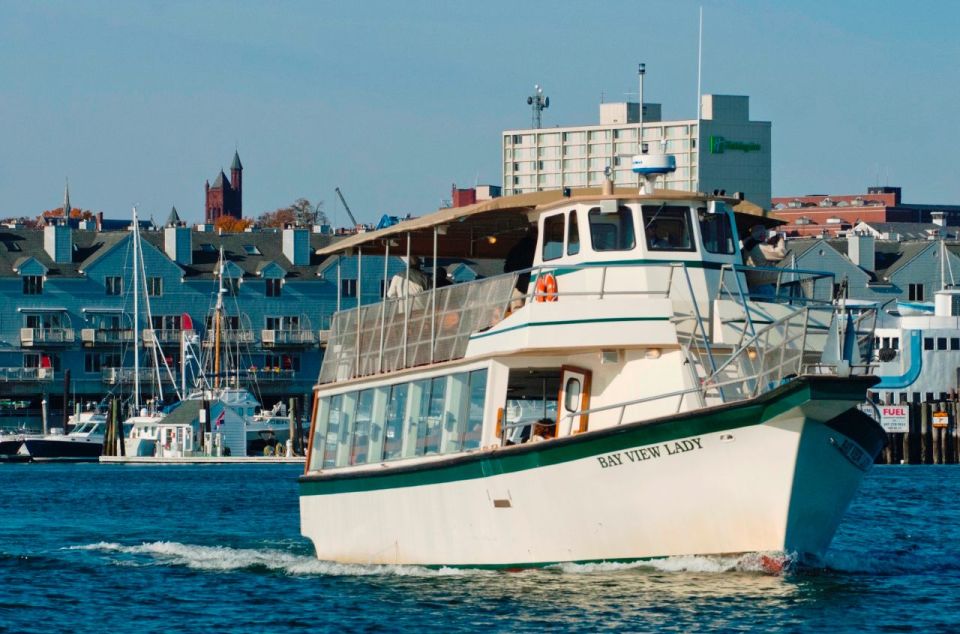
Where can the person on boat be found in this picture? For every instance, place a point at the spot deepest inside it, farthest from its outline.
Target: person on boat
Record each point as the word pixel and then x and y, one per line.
pixel 761 250
pixel 520 258
pixel 443 277
pixel 418 281
pixel 543 429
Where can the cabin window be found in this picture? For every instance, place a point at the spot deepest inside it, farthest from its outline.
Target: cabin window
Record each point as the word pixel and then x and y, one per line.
pixel 716 232
pixel 941 343
pixel 667 228
pixel 322 419
pixel 573 234
pixel 473 434
pixel 928 343
pixel 393 425
pixel 954 343
pixel 332 433
pixel 572 394
pixel 454 416
pixel 345 429
pixel 348 288
pixel 419 402
pixel 361 428
pixel 895 343
pixel 428 441
pixel 552 237
pixel 376 427
pixel 611 231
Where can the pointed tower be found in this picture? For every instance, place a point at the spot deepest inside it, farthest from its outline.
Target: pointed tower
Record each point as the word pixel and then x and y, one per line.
pixel 66 200
pixel 236 182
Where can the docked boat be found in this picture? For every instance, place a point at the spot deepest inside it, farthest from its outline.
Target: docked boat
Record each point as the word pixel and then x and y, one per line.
pixel 84 442
pixel 10 442
pixel 677 414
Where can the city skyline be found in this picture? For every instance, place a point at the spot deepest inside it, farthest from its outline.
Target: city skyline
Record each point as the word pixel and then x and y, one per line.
pixel 144 103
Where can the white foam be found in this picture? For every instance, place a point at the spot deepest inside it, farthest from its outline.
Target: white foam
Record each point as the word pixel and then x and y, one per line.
pixel 749 562
pixel 224 558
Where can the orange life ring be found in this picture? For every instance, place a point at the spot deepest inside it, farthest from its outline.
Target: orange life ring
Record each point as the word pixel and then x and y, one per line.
pixel 547 288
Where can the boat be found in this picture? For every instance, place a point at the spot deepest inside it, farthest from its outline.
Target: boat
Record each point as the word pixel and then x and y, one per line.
pixel 83 443
pixel 10 442
pixel 692 416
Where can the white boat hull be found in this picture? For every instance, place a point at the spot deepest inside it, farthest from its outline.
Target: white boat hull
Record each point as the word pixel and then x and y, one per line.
pixel 753 477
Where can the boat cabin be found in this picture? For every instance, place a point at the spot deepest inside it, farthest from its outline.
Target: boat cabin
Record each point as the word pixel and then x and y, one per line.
pixel 606 313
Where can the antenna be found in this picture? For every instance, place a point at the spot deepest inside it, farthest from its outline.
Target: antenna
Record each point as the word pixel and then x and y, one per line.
pixel 539 103
pixel 699 67
pixel 641 72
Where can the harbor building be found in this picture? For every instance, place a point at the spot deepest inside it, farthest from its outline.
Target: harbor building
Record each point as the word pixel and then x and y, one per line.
pixel 723 149
pixel 828 215
pixel 66 306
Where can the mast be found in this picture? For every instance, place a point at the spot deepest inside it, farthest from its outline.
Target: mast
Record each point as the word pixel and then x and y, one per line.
pixel 217 312
pixel 136 318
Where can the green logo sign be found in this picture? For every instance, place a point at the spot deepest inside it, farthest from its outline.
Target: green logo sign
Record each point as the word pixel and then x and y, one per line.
pixel 718 145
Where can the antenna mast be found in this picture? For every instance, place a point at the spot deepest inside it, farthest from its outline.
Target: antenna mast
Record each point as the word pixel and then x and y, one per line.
pixel 538 102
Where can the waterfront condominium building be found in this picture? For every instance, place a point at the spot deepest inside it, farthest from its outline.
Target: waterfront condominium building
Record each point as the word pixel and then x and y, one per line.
pixel 724 149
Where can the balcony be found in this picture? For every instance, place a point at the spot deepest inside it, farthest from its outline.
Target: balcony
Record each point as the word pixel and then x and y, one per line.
pixel 162 336
pixel 124 376
pixel 105 337
pixel 232 337
pixel 267 375
pixel 25 375
pixel 30 337
pixel 290 338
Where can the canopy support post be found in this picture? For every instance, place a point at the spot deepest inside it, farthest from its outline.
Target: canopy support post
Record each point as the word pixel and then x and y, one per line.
pixel 383 305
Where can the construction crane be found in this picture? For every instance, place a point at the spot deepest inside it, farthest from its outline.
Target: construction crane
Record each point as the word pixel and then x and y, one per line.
pixel 347 207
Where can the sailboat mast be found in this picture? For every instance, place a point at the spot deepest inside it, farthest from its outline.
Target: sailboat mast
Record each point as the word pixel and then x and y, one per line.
pixel 218 311
pixel 136 317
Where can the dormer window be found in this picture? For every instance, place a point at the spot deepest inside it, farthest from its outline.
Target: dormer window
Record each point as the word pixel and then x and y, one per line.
pixel 32 284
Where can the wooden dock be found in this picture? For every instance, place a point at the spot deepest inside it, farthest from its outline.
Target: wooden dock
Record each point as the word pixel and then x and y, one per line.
pixel 147 460
pixel 932 438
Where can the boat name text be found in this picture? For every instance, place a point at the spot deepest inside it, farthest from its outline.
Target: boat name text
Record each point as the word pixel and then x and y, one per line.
pixel 647 453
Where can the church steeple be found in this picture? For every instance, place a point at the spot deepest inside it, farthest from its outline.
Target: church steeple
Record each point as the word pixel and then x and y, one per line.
pixel 66 200
pixel 236 165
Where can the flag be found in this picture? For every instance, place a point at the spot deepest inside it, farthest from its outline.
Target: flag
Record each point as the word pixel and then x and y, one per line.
pixel 186 322
pixel 221 417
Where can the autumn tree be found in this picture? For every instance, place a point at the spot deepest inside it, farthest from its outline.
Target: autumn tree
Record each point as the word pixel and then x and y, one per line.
pixel 76 213
pixel 301 213
pixel 229 224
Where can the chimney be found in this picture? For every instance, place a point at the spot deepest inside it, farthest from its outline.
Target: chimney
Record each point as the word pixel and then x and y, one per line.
pixel 938 218
pixel 296 246
pixel 58 242
pixel 178 244
pixel 99 221
pixel 861 249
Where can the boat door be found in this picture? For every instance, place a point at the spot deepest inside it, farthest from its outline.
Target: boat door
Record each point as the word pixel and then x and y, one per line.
pixel 574 397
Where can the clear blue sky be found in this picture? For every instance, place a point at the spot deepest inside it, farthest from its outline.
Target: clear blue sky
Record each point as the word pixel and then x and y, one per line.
pixel 141 102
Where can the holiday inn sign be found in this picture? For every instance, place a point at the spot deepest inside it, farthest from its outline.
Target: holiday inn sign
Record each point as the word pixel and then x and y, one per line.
pixel 718 145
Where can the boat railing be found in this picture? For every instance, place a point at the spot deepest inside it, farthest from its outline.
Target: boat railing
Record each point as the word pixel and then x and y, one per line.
pixel 436 325
pixel 766 361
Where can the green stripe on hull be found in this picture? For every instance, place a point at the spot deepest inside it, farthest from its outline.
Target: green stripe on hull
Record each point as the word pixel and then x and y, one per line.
pixel 532 456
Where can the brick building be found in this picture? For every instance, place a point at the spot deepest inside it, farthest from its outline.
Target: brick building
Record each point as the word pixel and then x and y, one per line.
pixel 827 215
pixel 225 197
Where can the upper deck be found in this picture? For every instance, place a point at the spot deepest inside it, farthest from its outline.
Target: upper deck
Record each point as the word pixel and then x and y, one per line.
pixel 658 258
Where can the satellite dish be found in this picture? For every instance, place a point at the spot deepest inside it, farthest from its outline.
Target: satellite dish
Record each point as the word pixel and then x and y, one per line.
pixel 546 102
pixel 529 100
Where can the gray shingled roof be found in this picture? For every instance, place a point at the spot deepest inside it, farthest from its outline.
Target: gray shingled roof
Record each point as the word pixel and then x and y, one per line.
pixel 173 219
pixel 221 182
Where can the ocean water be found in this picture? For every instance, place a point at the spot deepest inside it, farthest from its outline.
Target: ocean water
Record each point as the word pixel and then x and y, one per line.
pixel 98 548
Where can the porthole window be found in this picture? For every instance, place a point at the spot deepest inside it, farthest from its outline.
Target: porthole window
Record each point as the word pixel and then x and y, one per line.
pixel 572 394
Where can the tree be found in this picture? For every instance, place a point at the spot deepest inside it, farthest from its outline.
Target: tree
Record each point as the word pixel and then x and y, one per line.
pixel 81 214
pixel 229 224
pixel 301 213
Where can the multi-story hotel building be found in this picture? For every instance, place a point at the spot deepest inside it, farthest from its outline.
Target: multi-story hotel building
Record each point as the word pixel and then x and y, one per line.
pixel 724 149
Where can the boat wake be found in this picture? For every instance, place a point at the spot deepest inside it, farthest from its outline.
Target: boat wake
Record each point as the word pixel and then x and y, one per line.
pixel 766 563
pixel 227 559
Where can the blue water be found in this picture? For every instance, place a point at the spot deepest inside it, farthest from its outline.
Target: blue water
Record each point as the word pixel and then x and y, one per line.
pixel 96 548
